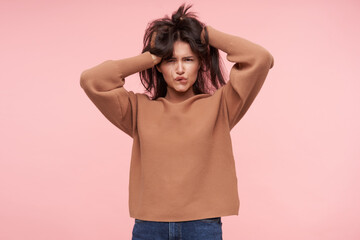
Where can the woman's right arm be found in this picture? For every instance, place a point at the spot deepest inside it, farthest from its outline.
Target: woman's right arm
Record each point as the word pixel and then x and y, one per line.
pixel 103 84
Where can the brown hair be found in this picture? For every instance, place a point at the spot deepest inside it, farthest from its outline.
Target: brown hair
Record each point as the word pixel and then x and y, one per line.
pixel 182 26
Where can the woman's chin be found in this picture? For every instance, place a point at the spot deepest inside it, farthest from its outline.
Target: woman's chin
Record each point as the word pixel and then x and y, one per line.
pixel 182 89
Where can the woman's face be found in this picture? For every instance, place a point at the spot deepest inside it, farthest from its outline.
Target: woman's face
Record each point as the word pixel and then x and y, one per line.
pixel 181 70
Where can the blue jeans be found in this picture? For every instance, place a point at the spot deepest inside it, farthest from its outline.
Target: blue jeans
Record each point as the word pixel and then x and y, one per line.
pixel 202 229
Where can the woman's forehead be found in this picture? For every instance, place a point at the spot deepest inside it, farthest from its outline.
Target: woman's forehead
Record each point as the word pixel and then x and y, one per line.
pixel 182 49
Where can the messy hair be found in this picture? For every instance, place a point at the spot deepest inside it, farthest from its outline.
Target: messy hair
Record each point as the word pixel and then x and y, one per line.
pixel 182 26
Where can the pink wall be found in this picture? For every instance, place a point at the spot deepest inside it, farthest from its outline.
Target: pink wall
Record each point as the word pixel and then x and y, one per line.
pixel 64 168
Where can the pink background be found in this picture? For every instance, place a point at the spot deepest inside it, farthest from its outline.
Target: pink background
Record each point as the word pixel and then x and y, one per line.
pixel 64 168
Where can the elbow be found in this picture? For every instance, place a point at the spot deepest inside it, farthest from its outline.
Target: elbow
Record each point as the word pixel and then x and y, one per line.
pixel 84 79
pixel 268 59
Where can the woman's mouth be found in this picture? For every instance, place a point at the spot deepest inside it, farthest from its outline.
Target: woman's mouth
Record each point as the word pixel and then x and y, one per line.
pixel 181 79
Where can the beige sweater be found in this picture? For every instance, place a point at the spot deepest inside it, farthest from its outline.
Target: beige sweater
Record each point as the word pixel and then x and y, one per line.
pixel 182 164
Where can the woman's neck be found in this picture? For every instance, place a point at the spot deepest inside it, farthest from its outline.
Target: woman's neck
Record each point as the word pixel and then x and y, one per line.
pixel 176 97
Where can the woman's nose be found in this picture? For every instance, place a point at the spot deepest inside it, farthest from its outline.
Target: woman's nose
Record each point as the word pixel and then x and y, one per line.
pixel 180 68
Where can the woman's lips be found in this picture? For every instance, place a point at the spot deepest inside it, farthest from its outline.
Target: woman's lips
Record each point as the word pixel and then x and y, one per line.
pixel 181 79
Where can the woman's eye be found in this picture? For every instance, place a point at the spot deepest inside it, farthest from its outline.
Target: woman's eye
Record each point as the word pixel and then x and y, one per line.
pixel 189 59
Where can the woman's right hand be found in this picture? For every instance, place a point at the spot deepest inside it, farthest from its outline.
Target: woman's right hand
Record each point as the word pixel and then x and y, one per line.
pixel 156 59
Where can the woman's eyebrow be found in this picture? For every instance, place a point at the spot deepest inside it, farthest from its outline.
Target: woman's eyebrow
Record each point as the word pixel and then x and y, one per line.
pixel 190 56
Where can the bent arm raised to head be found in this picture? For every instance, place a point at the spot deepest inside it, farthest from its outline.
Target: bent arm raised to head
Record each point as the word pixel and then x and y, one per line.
pixel 240 50
pixel 111 74
pixel 103 84
pixel 252 64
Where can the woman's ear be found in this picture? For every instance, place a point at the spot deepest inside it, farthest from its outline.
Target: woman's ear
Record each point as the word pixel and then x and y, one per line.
pixel 158 68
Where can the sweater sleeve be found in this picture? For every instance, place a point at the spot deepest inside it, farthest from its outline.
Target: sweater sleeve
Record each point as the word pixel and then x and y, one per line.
pixel 252 64
pixel 103 84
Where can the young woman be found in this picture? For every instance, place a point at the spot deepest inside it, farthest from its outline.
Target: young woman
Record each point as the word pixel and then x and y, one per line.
pixel 182 172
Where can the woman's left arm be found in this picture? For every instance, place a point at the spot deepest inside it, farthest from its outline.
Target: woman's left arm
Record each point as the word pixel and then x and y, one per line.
pixel 252 64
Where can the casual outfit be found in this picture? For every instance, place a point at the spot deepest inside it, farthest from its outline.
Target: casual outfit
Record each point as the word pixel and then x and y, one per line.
pixel 182 165
pixel 204 229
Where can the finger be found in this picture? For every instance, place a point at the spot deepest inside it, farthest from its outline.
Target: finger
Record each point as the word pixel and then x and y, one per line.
pixel 152 42
pixel 202 36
